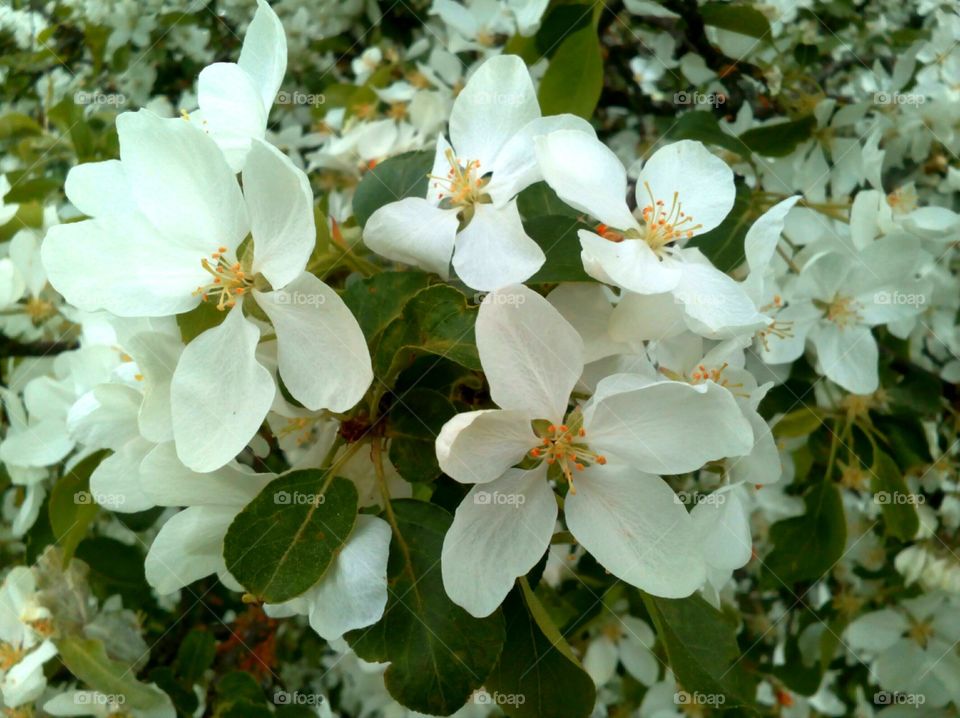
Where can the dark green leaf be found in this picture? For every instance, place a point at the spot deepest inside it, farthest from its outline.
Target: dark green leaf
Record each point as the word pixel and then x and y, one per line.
pixel 558 24
pixel 393 179
pixel 703 127
pixel 701 645
pixel 195 656
pixel 574 79
pixel 438 321
pixel 821 532
pixel 723 245
pixel 195 322
pixel 557 237
pixel 741 19
pixel 539 200
pixel 378 300
pixel 537 674
pixel 780 138
pixel 415 421
pixel 897 503
pixel 438 653
pixel 283 541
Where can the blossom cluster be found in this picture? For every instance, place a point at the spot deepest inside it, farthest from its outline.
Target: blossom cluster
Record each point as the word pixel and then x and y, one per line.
pixel 477 358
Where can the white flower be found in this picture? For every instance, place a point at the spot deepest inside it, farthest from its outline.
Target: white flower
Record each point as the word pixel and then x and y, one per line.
pixel 609 452
pixel 235 98
pixel 25 630
pixel 625 639
pixel 173 192
pixel 682 191
pixel 470 211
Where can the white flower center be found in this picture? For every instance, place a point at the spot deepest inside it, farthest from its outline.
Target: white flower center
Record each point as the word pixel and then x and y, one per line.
pixel 660 225
pixel 566 449
pixel 230 280
pixel 843 311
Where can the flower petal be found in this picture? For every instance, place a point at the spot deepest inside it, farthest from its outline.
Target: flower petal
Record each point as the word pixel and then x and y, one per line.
pixel 494 250
pixel 322 353
pixel 500 530
pixel 413 231
pixel 630 264
pixel 280 203
pixel 220 394
pixel 633 524
pixel 100 189
pixel 231 110
pixel 188 547
pixel 531 355
pixel 264 52
pixel 848 356
pixel 479 446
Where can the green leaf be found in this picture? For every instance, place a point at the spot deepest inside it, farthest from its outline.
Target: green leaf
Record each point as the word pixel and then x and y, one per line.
pixel 283 541
pixel 723 245
pixel 703 127
pixel 72 508
pixel 195 656
pixel 195 322
pixel 918 393
pixel 557 237
pixel 897 503
pixel 574 79
pixel 438 653
pixel 539 200
pixel 15 124
pixel 821 532
pixel 780 138
pixel 415 420
pixel 89 662
pixel 402 176
pixel 801 422
pixel 378 300
pixel 438 321
pixel 537 674
pixel 558 24
pixel 741 19
pixel 701 645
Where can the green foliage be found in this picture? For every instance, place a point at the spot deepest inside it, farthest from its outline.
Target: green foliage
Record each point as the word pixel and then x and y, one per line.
pixel 396 178
pixel 574 79
pixel 283 541
pixel 72 508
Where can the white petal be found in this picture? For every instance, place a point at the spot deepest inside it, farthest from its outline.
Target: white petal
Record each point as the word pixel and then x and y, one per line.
pixel 353 592
pixel 876 631
pixel 716 301
pixel 588 309
pixel 760 244
pixel 100 189
pixel 644 317
pixel 280 204
pixel 515 167
pixel 497 102
pixel 633 524
pixel 724 530
pixel 26 681
pixel 500 530
pixel 157 355
pixel 322 353
pixel 123 266
pixel 41 444
pixel 586 175
pixel 668 427
pixel 479 446
pixel 762 464
pixel 188 547
pixel 167 482
pixel 630 264
pixel 601 660
pixel 115 483
pixel 181 181
pixel 415 232
pixel 531 355
pixel 848 356
pixel 104 418
pixel 220 394
pixel 231 110
pixel 264 52
pixel 701 180
pixel 494 250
